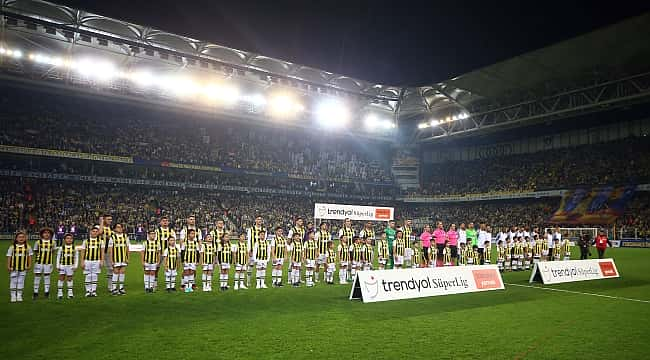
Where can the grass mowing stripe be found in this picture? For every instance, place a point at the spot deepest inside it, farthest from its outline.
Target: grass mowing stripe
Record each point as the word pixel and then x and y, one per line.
pixel 578 292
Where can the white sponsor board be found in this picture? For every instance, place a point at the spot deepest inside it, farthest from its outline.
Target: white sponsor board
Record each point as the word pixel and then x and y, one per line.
pixel 354 212
pixel 384 285
pixel 555 272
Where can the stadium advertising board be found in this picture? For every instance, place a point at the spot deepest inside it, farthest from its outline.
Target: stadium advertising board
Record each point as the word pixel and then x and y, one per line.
pixel 385 285
pixel 556 272
pixel 353 212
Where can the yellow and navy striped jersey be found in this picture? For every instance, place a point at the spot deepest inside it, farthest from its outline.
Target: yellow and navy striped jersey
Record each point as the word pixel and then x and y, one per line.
pixel 105 237
pixel 407 234
pixel 172 255
pixel 311 250
pixel 501 253
pixel 348 232
pixel 539 247
pixel 92 249
pixel 280 247
pixel 357 252
pixel 367 233
pixel 462 256
pixel 475 255
pixel 67 255
pixel 433 253
pixel 567 247
pixel 225 252
pixel 207 253
pixel 344 253
pixel 331 256
pixel 544 245
pixel 242 253
pixel 189 249
pixel 297 230
pixel 44 250
pixel 557 251
pixel 367 253
pixel 417 255
pixel 382 249
pixel 120 245
pixel 162 234
pixel 217 234
pixel 151 251
pixel 487 254
pixel 323 237
pixel 296 255
pixel 255 233
pixel 400 245
pixel 262 249
pixel 19 254
pixel 518 249
pixel 446 255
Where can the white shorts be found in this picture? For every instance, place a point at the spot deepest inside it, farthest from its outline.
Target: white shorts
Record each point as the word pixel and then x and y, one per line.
pixel 251 260
pixel 331 267
pixel 67 270
pixel 208 267
pixel 296 264
pixel 225 266
pixel 408 253
pixel 240 267
pixel 310 263
pixel 545 252
pixel 343 263
pixel 278 262
pixel 150 267
pixel 189 266
pixel 92 267
pixel 262 263
pixel 120 264
pixel 382 261
pixel 322 259
pixel 42 268
pixel 171 273
pixel 399 260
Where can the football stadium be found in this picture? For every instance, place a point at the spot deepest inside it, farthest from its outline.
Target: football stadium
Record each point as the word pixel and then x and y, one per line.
pixel 168 197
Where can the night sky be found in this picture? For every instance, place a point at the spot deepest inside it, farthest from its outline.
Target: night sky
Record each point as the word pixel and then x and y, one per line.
pixel 388 42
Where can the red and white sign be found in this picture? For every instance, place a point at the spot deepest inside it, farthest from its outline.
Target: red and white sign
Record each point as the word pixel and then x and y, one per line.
pixel 353 212
pixel 385 285
pixel 556 272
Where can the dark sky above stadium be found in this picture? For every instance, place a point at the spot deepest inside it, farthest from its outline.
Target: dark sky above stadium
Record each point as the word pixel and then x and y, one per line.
pixel 389 42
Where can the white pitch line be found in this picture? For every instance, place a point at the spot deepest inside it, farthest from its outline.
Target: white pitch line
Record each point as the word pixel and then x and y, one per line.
pixel 580 293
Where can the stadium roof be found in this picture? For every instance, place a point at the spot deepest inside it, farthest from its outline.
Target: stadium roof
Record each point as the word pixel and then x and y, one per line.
pixel 487 97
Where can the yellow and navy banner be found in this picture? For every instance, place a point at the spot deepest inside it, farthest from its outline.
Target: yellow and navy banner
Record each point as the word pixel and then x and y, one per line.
pixel 64 154
pixel 596 206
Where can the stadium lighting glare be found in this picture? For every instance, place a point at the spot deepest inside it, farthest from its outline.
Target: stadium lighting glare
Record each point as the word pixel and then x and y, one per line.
pixel 284 105
pixel 224 94
pixel 454 118
pixel 434 122
pixel 332 113
pixel 100 70
pixel 423 126
pixel 255 99
pixel 371 120
pixel 2 51
pixel 142 78
pixel 17 54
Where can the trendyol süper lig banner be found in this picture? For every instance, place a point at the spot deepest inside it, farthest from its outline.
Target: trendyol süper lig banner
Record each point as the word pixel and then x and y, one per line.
pixel 385 285
pixel 555 272
pixel 353 212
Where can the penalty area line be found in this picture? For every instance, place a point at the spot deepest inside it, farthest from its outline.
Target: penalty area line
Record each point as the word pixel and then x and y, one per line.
pixel 580 293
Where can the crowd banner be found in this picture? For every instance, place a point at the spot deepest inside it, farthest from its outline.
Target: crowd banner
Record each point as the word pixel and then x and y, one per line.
pixel 65 154
pixel 386 285
pixel 599 205
pixel 353 212
pixel 483 197
pixel 556 272
pixel 634 243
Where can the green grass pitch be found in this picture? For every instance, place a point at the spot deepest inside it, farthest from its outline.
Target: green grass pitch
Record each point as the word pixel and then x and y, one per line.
pixel 321 323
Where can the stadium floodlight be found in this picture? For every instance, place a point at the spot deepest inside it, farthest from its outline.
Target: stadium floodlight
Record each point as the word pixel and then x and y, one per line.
pixel 222 93
pixel 423 126
pixel 283 106
pixel 371 121
pixel 454 118
pixel 17 54
pixel 435 122
pixel 97 69
pixel 255 99
pixel 2 51
pixel 332 113
pixel 142 78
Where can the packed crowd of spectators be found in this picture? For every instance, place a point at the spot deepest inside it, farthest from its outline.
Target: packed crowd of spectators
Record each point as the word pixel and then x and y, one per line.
pixel 635 222
pixel 64 123
pixel 621 162
pixel 187 176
